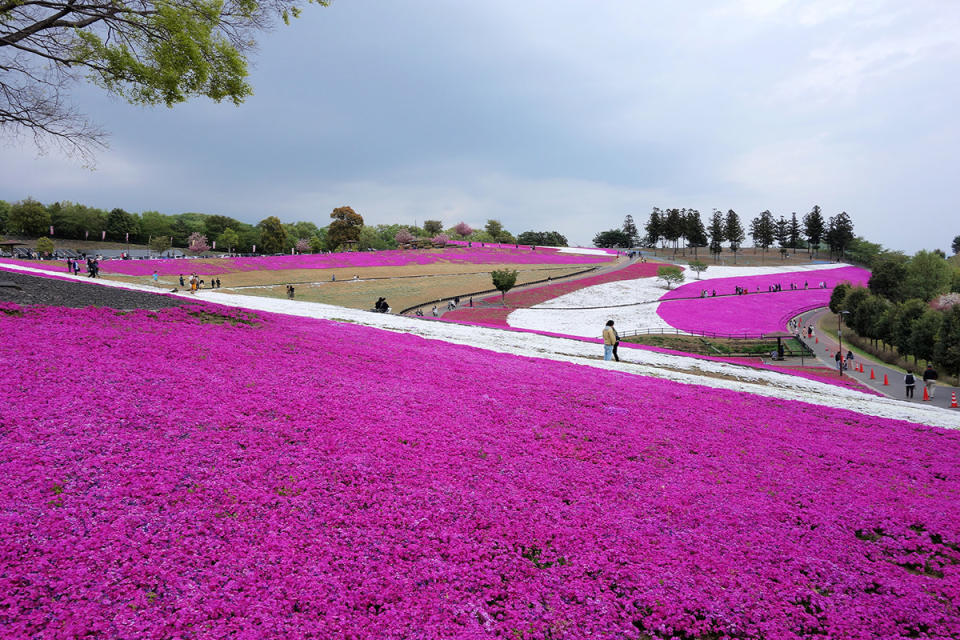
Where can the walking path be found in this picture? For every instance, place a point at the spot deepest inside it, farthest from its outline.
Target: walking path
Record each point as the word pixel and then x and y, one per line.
pixel 825 347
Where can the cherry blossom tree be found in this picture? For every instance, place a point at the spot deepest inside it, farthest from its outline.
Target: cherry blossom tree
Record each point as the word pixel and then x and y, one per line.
pixel 197 242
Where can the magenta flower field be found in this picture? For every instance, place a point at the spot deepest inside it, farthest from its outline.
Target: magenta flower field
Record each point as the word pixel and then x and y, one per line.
pixel 196 473
pixel 762 312
pixel 357 259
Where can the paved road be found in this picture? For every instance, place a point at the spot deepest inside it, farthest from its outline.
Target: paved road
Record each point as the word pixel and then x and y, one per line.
pixel 825 348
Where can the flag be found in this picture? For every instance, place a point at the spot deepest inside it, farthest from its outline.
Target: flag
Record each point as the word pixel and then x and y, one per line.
pixel 128 237
pixel 51 229
pixel 103 235
pixel 254 249
pixel 214 245
pixel 86 234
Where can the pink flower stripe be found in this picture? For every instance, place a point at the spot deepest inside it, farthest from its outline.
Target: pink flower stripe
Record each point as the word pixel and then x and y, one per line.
pixel 291 478
pixel 762 312
pixel 218 266
pixel 727 286
pixel 529 297
pixel 527 247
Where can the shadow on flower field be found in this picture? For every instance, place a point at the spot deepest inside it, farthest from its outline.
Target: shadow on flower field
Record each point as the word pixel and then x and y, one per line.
pixel 269 476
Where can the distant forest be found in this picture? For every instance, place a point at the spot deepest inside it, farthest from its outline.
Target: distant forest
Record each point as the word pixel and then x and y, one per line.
pixel 32 219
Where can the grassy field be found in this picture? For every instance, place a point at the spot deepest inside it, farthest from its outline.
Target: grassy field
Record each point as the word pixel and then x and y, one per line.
pixel 402 286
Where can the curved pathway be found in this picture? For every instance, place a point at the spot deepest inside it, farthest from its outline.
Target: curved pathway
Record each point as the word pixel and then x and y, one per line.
pixel 825 348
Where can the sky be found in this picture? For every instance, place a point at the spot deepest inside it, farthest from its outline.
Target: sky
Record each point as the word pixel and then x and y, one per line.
pixel 554 116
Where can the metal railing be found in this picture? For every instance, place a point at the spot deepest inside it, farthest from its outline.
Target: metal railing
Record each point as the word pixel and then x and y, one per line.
pixel 746 335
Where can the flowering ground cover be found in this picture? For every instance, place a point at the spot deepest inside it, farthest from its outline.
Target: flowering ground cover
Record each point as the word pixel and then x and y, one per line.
pixel 537 295
pixel 357 259
pixel 229 475
pixel 762 312
pixel 727 286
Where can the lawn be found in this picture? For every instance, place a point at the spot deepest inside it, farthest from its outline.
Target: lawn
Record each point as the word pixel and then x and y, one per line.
pixel 226 475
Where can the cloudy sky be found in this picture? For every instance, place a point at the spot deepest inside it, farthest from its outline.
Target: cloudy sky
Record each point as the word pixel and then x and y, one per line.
pixel 556 116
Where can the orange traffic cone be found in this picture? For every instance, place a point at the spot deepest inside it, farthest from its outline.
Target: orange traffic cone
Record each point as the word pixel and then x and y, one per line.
pixel 926 394
pixel 953 400
pixel 885 381
pixel 872 376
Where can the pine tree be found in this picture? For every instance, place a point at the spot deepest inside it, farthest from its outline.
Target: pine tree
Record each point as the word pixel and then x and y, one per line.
pixel 717 234
pixel 763 230
pixel 673 227
pixel 654 227
pixel 733 232
pixel 630 229
pixel 794 231
pixel 695 233
pixel 813 228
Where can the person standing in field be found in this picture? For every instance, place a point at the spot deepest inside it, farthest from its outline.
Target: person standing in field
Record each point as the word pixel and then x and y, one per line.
pixel 609 340
pixel 909 382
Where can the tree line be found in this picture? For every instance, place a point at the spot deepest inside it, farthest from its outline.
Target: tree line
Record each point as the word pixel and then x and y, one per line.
pixel 199 232
pixel 684 229
pixel 911 304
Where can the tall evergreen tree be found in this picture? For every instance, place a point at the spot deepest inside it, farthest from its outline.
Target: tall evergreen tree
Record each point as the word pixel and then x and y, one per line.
pixel 782 233
pixel 763 230
pixel 839 234
pixel 695 233
pixel 654 227
pixel 717 234
pixel 813 229
pixel 733 232
pixel 794 231
pixel 673 227
pixel 630 228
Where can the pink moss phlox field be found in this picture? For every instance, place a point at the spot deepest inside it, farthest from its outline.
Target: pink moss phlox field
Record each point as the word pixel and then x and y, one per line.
pixel 526 247
pixel 347 260
pixel 202 473
pixel 761 312
pixel 529 297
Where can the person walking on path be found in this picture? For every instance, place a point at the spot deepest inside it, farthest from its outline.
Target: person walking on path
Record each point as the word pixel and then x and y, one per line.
pixel 909 382
pixel 609 340
pixel 930 379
